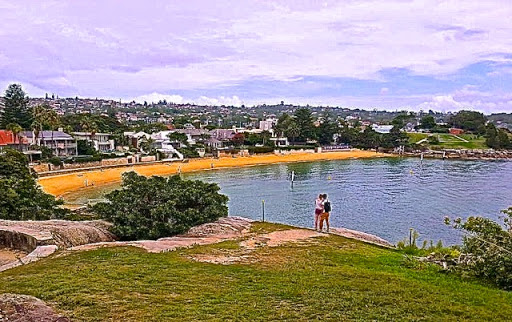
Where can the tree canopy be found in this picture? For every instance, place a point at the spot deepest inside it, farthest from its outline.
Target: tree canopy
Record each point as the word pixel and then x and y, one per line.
pixel 16 109
pixel 20 196
pixel 470 121
pixel 155 207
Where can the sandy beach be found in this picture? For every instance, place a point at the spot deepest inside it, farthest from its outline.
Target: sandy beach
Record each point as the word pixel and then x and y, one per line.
pixel 61 184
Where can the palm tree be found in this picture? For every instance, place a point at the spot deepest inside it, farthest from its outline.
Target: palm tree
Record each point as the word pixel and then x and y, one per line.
pixel 293 131
pixel 52 120
pixel 39 113
pixel 88 125
pixel 16 129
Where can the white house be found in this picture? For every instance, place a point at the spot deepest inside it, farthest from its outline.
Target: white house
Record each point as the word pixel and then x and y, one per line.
pixel 383 129
pixel 62 144
pixel 101 141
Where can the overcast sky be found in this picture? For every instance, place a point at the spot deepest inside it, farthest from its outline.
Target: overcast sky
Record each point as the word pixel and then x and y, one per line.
pixel 442 55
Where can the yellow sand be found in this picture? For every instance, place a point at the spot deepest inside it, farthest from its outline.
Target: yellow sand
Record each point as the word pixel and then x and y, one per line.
pixel 65 183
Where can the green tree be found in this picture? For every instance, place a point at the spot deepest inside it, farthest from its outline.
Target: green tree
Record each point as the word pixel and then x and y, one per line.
pixel 427 122
pixel 504 139
pixel 16 108
pixel 293 130
pixel 470 121
pixel 21 198
pixel 179 137
pixel 304 121
pixel 283 123
pixel 16 130
pixel 155 207
pixel 487 248
pixel 491 136
pixel 85 147
pixel 328 127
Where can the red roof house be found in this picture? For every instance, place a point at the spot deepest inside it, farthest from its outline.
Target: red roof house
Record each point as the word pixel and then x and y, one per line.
pixel 7 138
pixel 456 131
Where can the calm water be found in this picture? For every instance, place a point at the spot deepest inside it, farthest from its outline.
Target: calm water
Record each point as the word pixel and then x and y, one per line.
pixel 385 197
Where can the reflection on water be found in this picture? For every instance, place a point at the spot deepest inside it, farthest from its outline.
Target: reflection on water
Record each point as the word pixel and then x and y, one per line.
pixel 381 196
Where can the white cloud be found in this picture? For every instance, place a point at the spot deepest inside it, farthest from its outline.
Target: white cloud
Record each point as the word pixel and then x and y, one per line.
pixel 156 97
pixel 469 98
pixel 221 100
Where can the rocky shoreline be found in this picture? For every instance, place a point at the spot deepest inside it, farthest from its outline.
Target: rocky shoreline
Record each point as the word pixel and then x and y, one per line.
pixel 459 154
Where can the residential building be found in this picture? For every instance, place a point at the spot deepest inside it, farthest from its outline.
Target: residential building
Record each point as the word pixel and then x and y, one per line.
pixel 456 131
pixel 213 143
pixel 17 142
pixel 136 138
pixel 101 141
pixel 62 144
pixel 223 134
pixel 383 129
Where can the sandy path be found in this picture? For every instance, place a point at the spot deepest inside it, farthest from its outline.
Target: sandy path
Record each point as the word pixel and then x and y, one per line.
pixel 61 184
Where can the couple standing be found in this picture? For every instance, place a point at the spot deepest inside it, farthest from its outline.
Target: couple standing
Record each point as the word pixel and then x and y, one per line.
pixel 322 211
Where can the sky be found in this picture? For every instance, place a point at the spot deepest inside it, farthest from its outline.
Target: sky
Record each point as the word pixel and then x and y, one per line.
pixel 387 54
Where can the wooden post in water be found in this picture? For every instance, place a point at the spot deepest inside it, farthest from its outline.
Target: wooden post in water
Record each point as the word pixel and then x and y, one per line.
pixel 263 209
pixel 293 177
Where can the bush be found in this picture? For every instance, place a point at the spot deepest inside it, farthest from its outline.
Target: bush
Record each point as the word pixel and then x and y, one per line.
pixel 56 161
pixel 487 249
pixel 261 149
pixel 21 198
pixel 155 207
pixel 84 159
pixel 189 152
pixel 433 139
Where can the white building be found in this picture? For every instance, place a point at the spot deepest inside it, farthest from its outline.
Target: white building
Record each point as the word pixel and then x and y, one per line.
pixel 383 129
pixel 267 125
pixel 101 141
pixel 61 144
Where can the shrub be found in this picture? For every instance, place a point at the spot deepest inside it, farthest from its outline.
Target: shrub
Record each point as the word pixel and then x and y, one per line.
pixel 155 207
pixel 487 249
pixel 261 149
pixel 20 196
pixel 56 161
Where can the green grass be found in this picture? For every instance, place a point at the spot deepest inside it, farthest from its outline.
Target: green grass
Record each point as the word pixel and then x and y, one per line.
pixel 333 279
pixel 415 137
pixel 448 141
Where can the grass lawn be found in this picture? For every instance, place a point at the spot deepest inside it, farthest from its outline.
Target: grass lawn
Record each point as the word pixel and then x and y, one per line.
pixel 415 137
pixel 449 141
pixel 333 278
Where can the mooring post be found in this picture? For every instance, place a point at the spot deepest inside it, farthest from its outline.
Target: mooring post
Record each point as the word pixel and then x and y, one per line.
pixel 263 209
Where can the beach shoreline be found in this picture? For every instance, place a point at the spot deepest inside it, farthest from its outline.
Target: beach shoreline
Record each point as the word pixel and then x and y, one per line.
pixel 62 184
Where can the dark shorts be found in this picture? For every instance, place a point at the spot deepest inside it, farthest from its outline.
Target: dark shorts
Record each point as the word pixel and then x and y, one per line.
pixel 318 211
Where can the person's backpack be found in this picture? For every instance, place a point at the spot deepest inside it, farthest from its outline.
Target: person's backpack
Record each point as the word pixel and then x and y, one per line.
pixel 327 206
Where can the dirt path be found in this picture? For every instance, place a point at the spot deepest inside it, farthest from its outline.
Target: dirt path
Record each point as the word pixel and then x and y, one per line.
pixel 61 184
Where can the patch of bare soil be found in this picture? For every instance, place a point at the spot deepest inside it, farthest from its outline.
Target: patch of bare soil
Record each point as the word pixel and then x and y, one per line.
pixel 21 308
pixel 280 237
pixel 8 255
pixel 301 237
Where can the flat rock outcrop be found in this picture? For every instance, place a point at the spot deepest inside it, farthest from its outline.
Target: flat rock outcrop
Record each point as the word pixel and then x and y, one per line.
pixel 16 307
pixel 42 238
pixel 226 228
pixel 359 235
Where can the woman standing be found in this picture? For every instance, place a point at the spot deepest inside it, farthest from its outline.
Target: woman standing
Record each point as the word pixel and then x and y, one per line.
pixel 319 209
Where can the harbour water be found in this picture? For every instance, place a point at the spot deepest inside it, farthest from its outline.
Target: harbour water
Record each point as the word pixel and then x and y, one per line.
pixel 385 197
